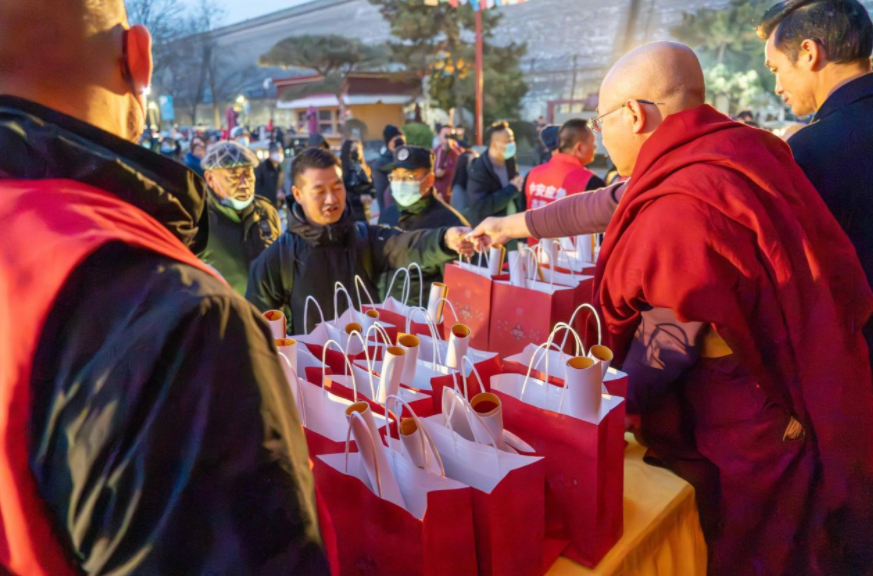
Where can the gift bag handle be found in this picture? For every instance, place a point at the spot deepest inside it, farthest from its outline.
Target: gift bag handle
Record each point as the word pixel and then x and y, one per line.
pixel 536 273
pixel 337 288
pixel 348 366
pixel 404 294
pixel 468 412
pixel 545 347
pixel 357 335
pixel 435 353
pixel 451 306
pixel 464 361
pixel 357 415
pixel 359 283
pixel 302 407
pixel 420 284
pixel 306 311
pixel 596 317
pixel 425 435
pixel 558 254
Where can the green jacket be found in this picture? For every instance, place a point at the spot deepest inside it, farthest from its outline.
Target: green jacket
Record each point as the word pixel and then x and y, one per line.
pixel 237 238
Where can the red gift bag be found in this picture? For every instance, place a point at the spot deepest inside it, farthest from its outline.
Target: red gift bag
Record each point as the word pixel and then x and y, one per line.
pixel 470 288
pixel 508 500
pixel 584 462
pixel 392 311
pixel 431 533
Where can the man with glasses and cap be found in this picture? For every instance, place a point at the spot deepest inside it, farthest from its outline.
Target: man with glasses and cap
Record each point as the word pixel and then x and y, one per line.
pixel 241 224
pixel 421 208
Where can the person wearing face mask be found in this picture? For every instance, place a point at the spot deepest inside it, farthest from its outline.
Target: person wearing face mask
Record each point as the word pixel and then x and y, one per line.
pixel 382 167
pixel 147 425
pixel 195 155
pixel 565 173
pixel 447 152
pixel 357 179
pixel 269 176
pixel 170 148
pixel 324 245
pixel 241 224
pixel 412 186
pixel 494 184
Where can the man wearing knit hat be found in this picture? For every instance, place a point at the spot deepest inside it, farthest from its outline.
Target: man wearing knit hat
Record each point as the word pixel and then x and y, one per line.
pixel 241 225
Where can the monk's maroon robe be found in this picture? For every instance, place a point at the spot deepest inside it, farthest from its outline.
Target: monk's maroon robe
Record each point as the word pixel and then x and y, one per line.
pixel 719 225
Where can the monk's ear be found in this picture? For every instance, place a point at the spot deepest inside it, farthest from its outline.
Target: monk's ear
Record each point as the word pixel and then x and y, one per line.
pixel 638 114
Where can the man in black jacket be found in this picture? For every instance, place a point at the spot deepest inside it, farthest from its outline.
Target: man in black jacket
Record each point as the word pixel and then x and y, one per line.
pixel 159 432
pixel 323 245
pixel 819 51
pixel 241 224
pixel 494 184
pixel 412 186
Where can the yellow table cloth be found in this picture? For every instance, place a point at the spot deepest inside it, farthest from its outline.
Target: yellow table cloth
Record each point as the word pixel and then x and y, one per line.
pixel 662 535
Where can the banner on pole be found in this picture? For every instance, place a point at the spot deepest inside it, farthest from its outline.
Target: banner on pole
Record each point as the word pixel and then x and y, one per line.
pixel 476 4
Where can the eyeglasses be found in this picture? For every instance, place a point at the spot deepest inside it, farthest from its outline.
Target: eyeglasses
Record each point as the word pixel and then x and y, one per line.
pixel 596 124
pixel 406 178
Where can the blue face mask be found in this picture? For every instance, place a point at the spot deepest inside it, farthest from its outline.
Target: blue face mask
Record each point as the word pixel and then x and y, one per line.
pixel 238 205
pixel 406 193
pixel 510 150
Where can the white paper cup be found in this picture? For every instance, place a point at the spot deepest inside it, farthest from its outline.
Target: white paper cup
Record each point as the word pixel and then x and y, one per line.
pixel 392 370
pixel 278 323
pixel 459 344
pixel 495 259
pixel 585 245
pixel 517 274
pixel 438 291
pixel 602 355
pixel 490 411
pixel 584 379
pixel 411 436
pixel 369 318
pixel 288 347
pixel 411 344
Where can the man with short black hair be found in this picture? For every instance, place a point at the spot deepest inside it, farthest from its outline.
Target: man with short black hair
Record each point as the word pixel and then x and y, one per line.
pixel 447 153
pixel 324 245
pixel 494 183
pixel 381 168
pixel 820 51
pixel 566 173
pixel 269 177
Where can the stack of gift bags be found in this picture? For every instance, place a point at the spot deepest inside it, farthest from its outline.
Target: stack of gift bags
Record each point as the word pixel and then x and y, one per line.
pixel 434 453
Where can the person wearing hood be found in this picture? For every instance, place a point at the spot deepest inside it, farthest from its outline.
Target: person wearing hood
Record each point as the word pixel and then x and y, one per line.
pixel 494 184
pixel 722 279
pixel 170 148
pixel 147 424
pixel 194 156
pixel 382 167
pixel 324 245
pixel 421 208
pixel 241 224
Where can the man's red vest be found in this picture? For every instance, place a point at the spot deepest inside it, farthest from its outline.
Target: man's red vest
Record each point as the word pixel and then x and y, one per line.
pixel 559 177
pixel 49 227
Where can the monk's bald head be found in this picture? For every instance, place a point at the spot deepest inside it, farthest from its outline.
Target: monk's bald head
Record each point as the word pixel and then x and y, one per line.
pixel 58 39
pixel 666 72
pixel 645 86
pixel 68 55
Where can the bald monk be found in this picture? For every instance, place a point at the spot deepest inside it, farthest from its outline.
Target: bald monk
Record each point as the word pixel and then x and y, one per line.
pixel 736 304
pixel 145 423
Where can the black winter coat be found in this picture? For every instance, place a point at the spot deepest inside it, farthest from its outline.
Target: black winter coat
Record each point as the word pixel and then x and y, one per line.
pixel 237 238
pixel 309 260
pixel 164 439
pixel 487 195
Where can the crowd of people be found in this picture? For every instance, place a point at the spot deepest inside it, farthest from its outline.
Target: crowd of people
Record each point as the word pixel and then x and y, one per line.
pixel 146 422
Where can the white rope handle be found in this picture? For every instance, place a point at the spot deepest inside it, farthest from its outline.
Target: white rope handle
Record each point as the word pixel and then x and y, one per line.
pixel 434 349
pixel 359 283
pixel 306 312
pixel 466 360
pixel 380 331
pixel 425 435
pixel 420 284
pixel 534 275
pixel 302 407
pixel 469 411
pixel 354 416
pixel 545 347
pixel 350 372
pixel 558 254
pixel 451 307
pixel 405 285
pixel 337 288
pixel 596 317
pixel 357 335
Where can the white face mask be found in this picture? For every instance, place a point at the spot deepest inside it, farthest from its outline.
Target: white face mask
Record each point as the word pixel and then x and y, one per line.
pixel 277 157
pixel 238 205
